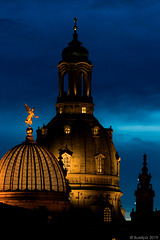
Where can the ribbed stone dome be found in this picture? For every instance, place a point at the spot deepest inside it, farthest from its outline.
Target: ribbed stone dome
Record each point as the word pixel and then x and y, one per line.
pixel 29 166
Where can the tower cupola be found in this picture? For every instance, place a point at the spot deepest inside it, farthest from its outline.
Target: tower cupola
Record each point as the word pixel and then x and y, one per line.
pixel 75 52
pixel 75 79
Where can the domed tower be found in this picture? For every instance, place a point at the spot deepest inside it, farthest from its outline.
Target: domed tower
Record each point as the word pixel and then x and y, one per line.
pixel 75 79
pixel 85 146
pixel 31 177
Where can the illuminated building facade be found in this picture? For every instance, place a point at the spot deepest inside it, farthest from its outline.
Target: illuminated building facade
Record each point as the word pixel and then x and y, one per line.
pixel 31 178
pixel 86 147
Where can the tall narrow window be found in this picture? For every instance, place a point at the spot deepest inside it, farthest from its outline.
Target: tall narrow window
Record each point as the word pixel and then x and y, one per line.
pixel 65 84
pixel 107 215
pixel 100 163
pixel 82 85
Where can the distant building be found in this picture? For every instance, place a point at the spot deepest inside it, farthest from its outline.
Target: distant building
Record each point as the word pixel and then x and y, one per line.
pixel 144 216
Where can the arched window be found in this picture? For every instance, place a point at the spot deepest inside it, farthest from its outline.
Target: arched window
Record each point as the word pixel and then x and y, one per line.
pixel 65 84
pixel 95 130
pixel 107 215
pixel 99 163
pixel 82 84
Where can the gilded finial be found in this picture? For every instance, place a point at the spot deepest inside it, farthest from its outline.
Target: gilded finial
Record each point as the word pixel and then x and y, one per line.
pixel 30 115
pixel 75 25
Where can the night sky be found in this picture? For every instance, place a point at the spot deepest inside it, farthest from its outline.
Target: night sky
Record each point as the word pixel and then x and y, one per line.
pixel 123 40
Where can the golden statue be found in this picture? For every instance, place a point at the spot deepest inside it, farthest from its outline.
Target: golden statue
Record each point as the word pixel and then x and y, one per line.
pixel 30 116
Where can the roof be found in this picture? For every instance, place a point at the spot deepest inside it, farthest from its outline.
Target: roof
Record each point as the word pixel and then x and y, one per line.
pixel 75 52
pixel 29 167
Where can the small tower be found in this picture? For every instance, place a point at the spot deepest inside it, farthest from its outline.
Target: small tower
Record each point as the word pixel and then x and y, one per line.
pixel 144 194
pixel 75 79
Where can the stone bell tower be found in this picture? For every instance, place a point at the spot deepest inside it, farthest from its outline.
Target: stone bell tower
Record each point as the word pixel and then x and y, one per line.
pixel 75 74
pixel 144 195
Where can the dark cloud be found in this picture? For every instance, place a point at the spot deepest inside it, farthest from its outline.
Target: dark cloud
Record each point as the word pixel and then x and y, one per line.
pixel 6 23
pixel 118 3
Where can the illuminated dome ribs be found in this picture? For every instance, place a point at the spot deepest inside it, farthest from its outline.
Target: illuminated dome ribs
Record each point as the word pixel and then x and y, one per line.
pixel 29 167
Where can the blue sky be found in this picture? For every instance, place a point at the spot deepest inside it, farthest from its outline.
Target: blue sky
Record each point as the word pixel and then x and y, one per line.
pixel 123 41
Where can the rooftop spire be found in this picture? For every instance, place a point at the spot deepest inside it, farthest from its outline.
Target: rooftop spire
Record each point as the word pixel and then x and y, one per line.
pixel 144 177
pixel 75 35
pixel 75 25
pixel 144 168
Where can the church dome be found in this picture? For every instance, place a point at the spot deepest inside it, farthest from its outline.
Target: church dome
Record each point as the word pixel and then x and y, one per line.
pixel 87 149
pixel 89 156
pixel 30 167
pixel 87 139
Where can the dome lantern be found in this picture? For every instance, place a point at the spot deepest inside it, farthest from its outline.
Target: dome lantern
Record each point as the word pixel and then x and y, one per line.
pixel 75 52
pixel 75 79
